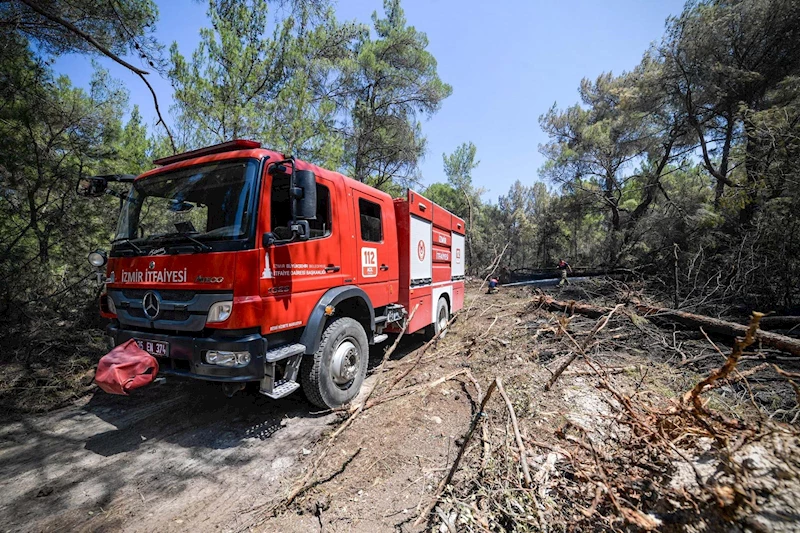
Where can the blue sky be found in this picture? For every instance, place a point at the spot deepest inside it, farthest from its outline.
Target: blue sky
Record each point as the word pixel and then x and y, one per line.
pixel 507 60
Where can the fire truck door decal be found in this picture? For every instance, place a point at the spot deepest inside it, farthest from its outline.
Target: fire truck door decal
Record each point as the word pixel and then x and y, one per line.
pixel 291 269
pixel 369 262
pixel 420 251
pixel 458 252
pixel 267 274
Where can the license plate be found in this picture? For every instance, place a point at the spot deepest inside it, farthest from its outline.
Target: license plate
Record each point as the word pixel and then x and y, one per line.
pixel 155 348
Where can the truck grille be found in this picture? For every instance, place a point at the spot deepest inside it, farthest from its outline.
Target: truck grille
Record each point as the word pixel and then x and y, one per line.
pixel 170 295
pixel 179 310
pixel 163 315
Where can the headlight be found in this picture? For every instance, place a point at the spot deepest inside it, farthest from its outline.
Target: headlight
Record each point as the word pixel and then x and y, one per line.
pixel 220 312
pixel 224 358
pixel 97 258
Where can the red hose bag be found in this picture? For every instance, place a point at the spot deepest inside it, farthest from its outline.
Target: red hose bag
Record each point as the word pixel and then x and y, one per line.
pixel 125 368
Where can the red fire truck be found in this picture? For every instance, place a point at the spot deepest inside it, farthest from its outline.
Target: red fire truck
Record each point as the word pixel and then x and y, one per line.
pixel 237 264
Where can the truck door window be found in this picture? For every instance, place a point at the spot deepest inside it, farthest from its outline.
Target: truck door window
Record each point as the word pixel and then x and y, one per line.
pixel 281 211
pixel 370 215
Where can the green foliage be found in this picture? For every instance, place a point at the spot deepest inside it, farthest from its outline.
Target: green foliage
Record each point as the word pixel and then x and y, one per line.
pixel 697 146
pixel 448 197
pixel 70 26
pixel 53 133
pixel 722 83
pixel 279 86
pixel 458 168
pixel 391 82
pixel 326 91
pixel 459 165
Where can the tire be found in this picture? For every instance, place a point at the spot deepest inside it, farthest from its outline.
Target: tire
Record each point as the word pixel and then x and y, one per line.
pixel 440 320
pixel 334 374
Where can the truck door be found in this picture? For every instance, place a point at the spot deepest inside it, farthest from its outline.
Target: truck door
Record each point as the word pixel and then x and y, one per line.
pixel 377 258
pixel 292 269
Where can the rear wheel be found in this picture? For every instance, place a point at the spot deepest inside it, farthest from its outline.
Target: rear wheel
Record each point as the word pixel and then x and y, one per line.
pixel 334 374
pixel 442 317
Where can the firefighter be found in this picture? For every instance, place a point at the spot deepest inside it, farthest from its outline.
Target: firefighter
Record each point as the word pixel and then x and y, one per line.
pixel 564 266
pixel 493 283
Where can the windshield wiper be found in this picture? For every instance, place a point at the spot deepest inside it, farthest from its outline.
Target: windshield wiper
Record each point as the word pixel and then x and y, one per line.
pixel 167 236
pixel 125 240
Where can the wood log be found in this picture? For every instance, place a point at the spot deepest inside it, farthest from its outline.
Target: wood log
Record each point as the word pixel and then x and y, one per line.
pixel 661 314
pixel 720 327
pixel 572 307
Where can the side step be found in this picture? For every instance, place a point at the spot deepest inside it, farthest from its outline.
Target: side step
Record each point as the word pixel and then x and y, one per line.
pixel 282 352
pixel 275 388
pixel 284 388
pixel 377 339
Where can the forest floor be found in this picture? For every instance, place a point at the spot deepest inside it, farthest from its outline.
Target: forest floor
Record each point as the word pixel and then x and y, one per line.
pixel 611 444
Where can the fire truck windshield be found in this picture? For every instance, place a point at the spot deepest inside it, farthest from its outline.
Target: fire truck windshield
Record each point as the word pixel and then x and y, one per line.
pixel 206 206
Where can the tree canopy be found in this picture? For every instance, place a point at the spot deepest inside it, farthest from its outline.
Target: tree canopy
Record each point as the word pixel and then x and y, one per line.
pixel 688 159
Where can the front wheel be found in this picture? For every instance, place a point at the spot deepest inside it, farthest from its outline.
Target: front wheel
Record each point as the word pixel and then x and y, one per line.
pixel 334 374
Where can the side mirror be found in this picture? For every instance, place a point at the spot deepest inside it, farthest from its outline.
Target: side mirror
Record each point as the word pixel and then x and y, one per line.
pixel 91 187
pixel 305 192
pixel 268 239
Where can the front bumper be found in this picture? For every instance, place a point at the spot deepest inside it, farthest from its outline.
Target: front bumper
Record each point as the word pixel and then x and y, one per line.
pixel 185 354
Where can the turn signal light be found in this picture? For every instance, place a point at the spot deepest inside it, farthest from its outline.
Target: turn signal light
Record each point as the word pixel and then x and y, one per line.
pixel 220 312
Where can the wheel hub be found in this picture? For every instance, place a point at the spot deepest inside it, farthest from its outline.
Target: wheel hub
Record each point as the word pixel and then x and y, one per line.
pixel 345 363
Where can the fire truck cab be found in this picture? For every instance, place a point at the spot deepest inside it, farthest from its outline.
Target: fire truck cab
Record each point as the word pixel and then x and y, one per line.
pixel 237 264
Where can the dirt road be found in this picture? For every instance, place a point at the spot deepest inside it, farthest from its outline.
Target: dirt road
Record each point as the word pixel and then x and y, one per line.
pixel 177 456
pixel 182 457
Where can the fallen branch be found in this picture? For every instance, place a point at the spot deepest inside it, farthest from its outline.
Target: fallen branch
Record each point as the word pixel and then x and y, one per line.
pixel 389 352
pixel 657 314
pixel 571 307
pixel 449 477
pixel 789 376
pixel 422 351
pixel 305 488
pixel 607 371
pixel 520 445
pixel 410 390
pixel 581 347
pixel 721 327
pixel 492 267
pixel 693 396
pixel 550 447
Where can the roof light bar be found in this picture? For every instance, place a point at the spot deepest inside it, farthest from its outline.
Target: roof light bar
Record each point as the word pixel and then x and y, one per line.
pixel 237 144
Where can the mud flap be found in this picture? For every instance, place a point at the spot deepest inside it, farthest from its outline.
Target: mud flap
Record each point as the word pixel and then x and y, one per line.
pixel 125 368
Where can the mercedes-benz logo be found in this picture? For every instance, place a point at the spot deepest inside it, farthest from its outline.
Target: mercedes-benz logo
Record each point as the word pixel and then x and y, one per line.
pixel 151 304
pixel 152 265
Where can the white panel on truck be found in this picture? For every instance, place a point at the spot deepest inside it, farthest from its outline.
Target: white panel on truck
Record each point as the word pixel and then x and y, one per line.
pixel 459 256
pixel 420 248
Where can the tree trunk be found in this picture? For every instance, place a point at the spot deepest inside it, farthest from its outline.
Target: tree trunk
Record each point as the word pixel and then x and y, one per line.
pixel 659 314
pixel 721 327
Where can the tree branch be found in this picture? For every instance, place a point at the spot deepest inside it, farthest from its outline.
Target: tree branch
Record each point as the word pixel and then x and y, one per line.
pixel 83 35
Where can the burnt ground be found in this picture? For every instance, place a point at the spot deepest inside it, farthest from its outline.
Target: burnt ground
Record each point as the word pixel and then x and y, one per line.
pixel 609 446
